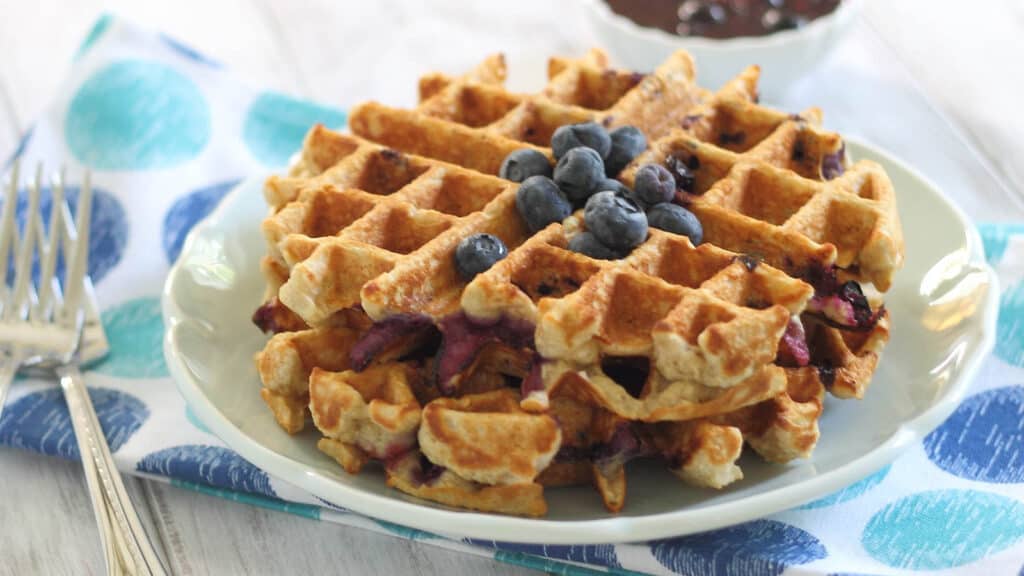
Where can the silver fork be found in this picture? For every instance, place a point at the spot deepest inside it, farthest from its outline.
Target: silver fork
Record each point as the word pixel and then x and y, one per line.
pixel 54 328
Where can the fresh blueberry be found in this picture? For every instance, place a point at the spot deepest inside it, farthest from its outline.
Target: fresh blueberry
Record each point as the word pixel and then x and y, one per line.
pixel 627 143
pixel 653 184
pixel 523 163
pixel 477 253
pixel 587 244
pixel 588 134
pixel 685 180
pixel 615 186
pixel 615 220
pixel 676 219
pixel 540 202
pixel 579 173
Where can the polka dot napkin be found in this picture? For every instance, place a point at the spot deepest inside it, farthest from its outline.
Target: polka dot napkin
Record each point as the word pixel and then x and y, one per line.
pixel 168 132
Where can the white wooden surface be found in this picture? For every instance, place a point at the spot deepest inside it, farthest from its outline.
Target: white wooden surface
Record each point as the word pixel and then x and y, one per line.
pixel 965 58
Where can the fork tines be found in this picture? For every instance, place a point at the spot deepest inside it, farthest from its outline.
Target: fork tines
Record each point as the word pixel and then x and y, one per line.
pixel 36 249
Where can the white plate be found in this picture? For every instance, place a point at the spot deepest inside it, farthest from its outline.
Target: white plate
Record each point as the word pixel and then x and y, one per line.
pixel 943 307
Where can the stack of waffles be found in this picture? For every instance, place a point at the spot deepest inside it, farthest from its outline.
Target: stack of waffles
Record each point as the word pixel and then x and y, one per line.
pixel 552 368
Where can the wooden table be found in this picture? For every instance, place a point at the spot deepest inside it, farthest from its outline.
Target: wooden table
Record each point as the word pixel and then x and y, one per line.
pixel 965 58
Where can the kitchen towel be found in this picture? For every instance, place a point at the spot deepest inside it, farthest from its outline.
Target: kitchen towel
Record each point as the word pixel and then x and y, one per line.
pixel 168 132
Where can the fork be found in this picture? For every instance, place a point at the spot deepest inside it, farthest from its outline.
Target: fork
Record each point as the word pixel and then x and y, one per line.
pixel 54 329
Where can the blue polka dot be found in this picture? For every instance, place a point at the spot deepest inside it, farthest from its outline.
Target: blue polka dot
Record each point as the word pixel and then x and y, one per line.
pixel 1010 330
pixel 137 115
pixel 995 237
pixel 135 330
pixel 108 231
pixel 758 547
pixel 40 421
pixel 187 211
pixel 20 148
pixel 943 528
pixel 188 52
pixel 276 124
pixel 850 492
pixel 97 30
pixel 602 554
pixel 209 465
pixel 983 439
pixel 195 421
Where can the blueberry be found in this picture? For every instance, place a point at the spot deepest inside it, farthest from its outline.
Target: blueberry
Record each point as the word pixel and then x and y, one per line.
pixel 579 173
pixel 477 253
pixel 523 163
pixel 676 219
pixel 653 184
pixel 685 180
pixel 777 21
pixel 709 14
pixel 587 244
pixel 615 186
pixel 627 143
pixel 540 202
pixel 615 220
pixel 588 134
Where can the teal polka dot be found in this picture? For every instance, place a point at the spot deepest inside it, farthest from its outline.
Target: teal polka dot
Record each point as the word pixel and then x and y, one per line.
pixel 850 492
pixel 276 124
pixel 97 30
pixel 195 421
pixel 405 531
pixel 137 115
pixel 943 528
pixel 1010 330
pixel 135 330
pixel 996 237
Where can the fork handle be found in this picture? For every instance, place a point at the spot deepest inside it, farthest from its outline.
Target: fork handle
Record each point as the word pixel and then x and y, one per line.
pixel 120 529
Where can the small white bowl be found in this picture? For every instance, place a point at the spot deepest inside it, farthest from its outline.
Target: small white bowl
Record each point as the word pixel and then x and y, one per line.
pixel 783 56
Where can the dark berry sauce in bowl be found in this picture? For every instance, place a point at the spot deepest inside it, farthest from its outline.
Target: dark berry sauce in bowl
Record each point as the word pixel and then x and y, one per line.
pixel 723 18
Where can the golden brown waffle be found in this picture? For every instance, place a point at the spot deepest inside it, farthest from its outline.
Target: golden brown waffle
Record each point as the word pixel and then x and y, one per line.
pixel 676 352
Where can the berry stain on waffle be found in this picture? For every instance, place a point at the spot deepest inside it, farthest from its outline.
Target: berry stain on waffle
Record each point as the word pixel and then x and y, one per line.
pixel 494 293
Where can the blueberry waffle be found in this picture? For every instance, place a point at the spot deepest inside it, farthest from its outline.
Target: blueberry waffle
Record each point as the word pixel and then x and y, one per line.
pixel 496 292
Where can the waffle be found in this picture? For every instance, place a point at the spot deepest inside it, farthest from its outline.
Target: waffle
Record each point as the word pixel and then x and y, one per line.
pixel 552 368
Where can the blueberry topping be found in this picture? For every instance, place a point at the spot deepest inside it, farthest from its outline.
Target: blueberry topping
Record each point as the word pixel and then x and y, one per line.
pixel 709 14
pixel 387 334
pixel 832 164
pixel 523 163
pixel 463 340
pixel 477 254
pixel 793 350
pixel 827 373
pixel 540 202
pixel 588 134
pixel 843 305
pixel 615 220
pixel 653 184
pixel 627 143
pixel 579 173
pixel 777 20
pixel 615 186
pixel 683 174
pixel 587 244
pixel 677 220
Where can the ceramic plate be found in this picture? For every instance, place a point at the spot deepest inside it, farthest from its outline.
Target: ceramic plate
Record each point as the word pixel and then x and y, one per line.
pixel 943 307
